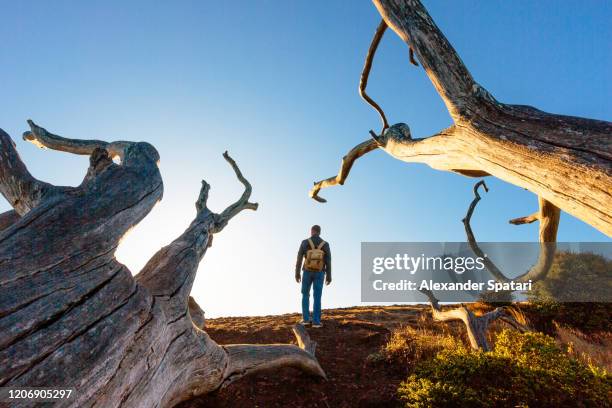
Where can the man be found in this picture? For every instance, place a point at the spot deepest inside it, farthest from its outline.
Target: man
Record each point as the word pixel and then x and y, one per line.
pixel 315 254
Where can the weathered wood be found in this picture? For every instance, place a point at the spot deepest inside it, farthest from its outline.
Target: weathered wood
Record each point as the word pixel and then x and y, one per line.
pixel 476 326
pixel 72 316
pixel 196 313
pixel 564 160
pixel 345 168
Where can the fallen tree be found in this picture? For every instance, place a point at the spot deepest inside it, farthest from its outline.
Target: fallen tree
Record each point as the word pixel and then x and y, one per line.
pixel 72 316
pixel 566 161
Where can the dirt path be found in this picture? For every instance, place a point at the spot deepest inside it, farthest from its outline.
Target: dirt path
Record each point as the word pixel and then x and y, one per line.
pixel 348 337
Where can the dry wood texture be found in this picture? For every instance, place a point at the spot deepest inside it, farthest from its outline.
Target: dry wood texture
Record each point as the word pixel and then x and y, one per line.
pixel 72 316
pixel 566 161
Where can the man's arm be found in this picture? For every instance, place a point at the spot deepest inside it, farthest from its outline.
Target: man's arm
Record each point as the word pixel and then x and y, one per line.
pixel 328 276
pixel 298 262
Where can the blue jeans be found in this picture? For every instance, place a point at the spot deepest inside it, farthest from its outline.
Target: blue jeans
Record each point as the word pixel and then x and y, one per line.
pixel 314 279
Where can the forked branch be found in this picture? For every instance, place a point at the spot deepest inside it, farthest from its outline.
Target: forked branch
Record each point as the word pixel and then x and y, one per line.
pixel 242 203
pixel 476 326
pixel 371 144
pixel 525 220
pixel 170 273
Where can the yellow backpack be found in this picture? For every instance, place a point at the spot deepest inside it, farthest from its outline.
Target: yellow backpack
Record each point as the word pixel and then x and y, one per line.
pixel 315 257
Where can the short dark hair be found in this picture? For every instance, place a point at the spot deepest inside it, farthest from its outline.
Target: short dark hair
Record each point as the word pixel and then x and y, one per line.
pixel 316 228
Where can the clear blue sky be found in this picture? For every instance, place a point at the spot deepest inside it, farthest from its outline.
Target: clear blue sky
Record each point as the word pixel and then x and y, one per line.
pixel 275 83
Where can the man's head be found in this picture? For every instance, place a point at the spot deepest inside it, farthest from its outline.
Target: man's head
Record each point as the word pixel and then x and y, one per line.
pixel 315 230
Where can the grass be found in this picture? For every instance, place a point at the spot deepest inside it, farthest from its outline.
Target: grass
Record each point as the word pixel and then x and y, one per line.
pixel 527 368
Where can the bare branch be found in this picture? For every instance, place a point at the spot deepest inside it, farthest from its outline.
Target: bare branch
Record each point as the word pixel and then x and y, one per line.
pixel 245 359
pixel 548 215
pixel 345 168
pixel 369 145
pixel 170 273
pixel 365 73
pixel 203 197
pixel 548 232
pixel 45 139
pixel 241 204
pixel 525 220
pixel 491 267
pixel 411 22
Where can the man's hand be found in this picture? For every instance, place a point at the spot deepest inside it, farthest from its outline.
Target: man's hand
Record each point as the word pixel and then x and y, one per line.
pixel 298 279
pixel 327 281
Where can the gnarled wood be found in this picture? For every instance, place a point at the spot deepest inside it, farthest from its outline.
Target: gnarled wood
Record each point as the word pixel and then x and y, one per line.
pixel 345 167
pixel 549 224
pixel 566 161
pixel 476 326
pixel 72 316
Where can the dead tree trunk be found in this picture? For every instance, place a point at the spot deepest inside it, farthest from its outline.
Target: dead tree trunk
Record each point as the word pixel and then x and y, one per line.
pixel 564 160
pixel 72 316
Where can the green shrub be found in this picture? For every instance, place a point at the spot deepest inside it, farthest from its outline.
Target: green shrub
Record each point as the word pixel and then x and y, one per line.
pixel 574 276
pixel 586 317
pixel 523 370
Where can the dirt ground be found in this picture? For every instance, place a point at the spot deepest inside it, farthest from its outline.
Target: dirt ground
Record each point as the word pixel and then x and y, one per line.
pixel 348 337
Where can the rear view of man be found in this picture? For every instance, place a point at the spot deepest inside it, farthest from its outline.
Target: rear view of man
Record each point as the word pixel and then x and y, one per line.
pixel 315 254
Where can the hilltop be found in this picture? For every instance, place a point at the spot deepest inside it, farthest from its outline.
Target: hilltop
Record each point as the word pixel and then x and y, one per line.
pixel 368 351
pixel 348 338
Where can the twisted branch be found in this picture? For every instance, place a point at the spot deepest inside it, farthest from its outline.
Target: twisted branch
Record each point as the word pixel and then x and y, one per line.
pixel 365 73
pixel 370 144
pixel 245 359
pixel 242 203
pixel 549 222
pixel 45 139
pixel 476 326
pixel 345 167
pixel 170 273
pixel 491 267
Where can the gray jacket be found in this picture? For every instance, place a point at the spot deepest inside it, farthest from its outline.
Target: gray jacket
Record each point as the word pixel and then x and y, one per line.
pixel 316 240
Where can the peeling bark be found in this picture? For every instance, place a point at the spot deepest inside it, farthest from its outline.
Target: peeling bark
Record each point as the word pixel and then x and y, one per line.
pixel 72 316
pixel 566 161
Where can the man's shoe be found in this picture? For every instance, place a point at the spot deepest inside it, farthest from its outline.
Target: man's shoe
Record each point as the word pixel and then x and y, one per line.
pixel 305 323
pixel 317 325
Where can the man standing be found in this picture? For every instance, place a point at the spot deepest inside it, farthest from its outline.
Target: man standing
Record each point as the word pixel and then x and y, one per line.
pixel 315 254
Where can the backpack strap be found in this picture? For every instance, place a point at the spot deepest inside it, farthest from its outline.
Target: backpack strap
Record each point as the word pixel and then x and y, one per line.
pixel 312 246
pixel 321 244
